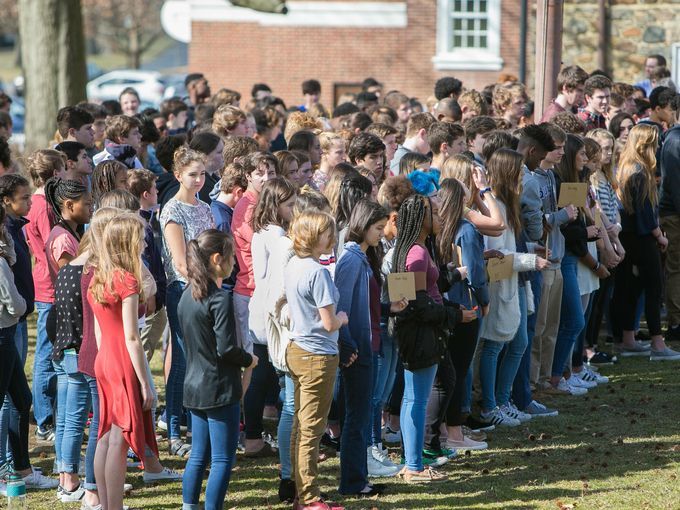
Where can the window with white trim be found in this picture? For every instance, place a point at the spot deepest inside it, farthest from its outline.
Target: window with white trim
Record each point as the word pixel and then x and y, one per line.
pixel 468 35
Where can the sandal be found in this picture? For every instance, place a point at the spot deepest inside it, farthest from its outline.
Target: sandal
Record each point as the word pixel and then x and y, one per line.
pixel 427 475
pixel 180 448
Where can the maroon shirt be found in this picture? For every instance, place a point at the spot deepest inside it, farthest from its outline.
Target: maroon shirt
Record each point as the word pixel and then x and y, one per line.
pixel 552 110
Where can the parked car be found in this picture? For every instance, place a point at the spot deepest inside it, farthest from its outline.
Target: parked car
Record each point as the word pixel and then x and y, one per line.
pixel 148 84
pixel 174 86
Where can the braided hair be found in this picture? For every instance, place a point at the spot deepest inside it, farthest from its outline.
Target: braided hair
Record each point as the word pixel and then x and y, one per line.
pixel 104 178
pixel 57 192
pixel 409 226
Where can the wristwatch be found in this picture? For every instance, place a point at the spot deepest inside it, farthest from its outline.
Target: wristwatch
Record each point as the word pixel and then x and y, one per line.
pixel 485 190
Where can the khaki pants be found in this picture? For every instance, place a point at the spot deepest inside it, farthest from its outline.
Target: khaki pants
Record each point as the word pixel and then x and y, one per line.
pixel 547 325
pixel 152 331
pixel 671 226
pixel 314 378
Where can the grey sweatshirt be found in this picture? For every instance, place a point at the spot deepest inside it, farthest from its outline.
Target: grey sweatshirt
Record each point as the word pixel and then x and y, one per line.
pixel 539 200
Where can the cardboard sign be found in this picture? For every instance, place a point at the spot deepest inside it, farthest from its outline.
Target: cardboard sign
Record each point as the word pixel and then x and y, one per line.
pixel 500 269
pixel 574 193
pixel 401 285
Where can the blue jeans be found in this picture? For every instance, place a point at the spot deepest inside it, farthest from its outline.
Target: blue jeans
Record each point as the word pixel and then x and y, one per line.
pixel 286 426
pixel 8 413
pixel 417 388
pixel 384 373
pixel 214 440
pixel 496 387
pixel 577 354
pixel 73 404
pixel 174 388
pixel 571 318
pixel 44 378
pixel 357 384
pixel 93 435
pixel 262 381
pixel 521 388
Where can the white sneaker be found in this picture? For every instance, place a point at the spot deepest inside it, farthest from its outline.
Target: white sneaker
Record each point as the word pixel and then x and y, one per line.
pixel 564 387
pixel 377 469
pixel 72 496
pixel 381 455
pixel 466 444
pixel 499 418
pixel 511 410
pixel 36 480
pixel 581 383
pixel 592 374
pixel 163 475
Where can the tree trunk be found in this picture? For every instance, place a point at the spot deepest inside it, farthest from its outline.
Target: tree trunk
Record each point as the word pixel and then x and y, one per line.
pixel 72 65
pixel 53 57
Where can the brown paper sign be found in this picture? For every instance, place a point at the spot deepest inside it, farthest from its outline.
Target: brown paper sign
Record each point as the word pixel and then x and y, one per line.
pixel 598 220
pixel 401 285
pixel 500 269
pixel 574 193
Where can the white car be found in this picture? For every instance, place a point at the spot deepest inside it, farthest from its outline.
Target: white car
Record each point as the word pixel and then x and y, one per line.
pixel 148 85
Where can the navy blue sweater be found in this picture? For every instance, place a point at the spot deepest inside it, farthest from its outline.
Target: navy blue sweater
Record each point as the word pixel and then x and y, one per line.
pixel 23 276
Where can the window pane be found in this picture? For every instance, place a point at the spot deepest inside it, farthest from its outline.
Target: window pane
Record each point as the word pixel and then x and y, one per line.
pixel 470 41
pixel 482 42
pixel 457 6
pixel 470 5
pixel 470 25
pixel 457 41
pixel 457 23
pixel 482 24
pixel 482 5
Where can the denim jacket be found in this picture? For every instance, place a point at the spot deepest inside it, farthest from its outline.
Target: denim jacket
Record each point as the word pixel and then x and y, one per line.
pixel 475 290
pixel 354 300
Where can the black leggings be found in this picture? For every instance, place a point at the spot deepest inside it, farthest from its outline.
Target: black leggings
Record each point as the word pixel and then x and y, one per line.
pixel 13 383
pixel 640 270
pixel 462 346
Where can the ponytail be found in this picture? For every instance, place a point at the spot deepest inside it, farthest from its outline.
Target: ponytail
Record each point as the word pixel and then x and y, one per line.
pixel 199 251
pixel 57 192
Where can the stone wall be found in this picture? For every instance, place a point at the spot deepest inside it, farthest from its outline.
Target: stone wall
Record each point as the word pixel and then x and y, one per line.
pixel 637 28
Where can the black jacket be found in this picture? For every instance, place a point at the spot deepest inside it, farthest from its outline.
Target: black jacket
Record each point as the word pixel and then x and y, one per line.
pixel 213 356
pixel 152 255
pixel 669 163
pixel 23 276
pixel 421 331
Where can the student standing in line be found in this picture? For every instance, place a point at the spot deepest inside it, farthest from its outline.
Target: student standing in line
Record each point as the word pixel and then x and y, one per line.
pixel 212 388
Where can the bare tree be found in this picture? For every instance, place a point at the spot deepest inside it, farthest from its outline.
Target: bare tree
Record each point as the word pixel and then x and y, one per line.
pixel 129 27
pixel 53 57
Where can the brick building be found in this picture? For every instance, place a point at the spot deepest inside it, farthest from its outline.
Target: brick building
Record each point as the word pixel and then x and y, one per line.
pixel 405 44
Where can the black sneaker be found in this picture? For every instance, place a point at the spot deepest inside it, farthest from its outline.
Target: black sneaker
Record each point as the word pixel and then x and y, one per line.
pixel 330 442
pixel 673 334
pixel 602 358
pixel 286 491
pixel 45 433
pixel 476 425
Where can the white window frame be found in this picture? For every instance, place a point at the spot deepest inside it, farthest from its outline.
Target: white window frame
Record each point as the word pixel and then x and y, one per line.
pixel 468 58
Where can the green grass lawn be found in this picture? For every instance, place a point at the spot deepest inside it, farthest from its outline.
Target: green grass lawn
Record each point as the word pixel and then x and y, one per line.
pixel 616 448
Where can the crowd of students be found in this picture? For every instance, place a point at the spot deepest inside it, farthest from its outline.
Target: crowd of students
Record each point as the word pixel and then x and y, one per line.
pixel 252 248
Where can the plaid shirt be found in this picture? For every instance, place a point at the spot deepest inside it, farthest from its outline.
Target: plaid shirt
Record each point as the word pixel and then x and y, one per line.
pixel 592 120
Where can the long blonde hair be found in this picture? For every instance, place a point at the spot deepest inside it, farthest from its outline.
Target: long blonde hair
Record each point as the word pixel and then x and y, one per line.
pixel 460 167
pixel 95 231
pixel 638 156
pixel 119 249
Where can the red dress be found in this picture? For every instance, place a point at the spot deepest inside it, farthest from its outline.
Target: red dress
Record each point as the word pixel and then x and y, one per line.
pixel 120 395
